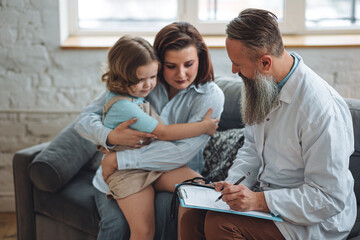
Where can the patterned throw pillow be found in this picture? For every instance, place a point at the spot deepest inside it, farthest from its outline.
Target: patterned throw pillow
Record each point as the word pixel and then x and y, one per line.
pixel 220 152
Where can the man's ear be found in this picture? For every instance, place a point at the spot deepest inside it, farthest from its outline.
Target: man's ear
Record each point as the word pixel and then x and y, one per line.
pixel 265 63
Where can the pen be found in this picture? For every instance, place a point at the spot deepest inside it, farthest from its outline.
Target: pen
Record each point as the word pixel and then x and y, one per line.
pixel 236 183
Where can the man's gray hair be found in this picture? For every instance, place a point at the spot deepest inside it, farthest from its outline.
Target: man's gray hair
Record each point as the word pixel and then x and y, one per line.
pixel 258 30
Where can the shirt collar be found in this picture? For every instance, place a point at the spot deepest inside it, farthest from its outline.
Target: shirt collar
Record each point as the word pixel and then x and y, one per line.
pixel 296 63
pixel 201 88
pixel 288 91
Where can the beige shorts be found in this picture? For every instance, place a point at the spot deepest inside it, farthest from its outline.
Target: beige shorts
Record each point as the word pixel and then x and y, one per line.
pixel 123 183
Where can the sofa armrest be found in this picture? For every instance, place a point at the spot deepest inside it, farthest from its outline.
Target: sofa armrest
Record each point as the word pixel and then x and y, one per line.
pixel 25 217
pixel 355 238
pixel 61 160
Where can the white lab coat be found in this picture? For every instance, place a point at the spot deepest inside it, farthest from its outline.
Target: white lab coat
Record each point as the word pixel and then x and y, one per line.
pixel 300 156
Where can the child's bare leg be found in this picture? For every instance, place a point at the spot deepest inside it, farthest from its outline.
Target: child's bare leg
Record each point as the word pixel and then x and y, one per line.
pixel 139 212
pixel 167 183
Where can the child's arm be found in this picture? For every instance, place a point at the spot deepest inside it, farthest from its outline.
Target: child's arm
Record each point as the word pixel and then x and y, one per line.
pixel 187 130
pixel 89 125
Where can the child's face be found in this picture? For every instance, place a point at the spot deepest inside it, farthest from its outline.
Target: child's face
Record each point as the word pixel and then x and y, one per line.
pixel 148 79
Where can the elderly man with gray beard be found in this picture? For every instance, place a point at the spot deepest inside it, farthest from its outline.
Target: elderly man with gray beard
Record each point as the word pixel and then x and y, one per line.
pixel 298 140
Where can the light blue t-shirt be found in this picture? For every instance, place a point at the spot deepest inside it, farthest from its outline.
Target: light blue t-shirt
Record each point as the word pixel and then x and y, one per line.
pixel 124 110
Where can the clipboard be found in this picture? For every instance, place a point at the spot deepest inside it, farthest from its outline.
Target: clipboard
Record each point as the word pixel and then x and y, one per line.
pixel 200 197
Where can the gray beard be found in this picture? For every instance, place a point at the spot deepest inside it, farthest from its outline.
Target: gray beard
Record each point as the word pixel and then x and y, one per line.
pixel 257 98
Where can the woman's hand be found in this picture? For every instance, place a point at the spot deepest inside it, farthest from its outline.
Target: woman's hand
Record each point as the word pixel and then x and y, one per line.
pixel 108 165
pixel 125 136
pixel 211 123
pixel 240 198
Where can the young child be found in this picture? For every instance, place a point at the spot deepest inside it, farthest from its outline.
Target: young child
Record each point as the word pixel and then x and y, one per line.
pixel 130 77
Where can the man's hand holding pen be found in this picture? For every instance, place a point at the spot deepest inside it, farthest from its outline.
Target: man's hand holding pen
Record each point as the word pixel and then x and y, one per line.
pixel 241 198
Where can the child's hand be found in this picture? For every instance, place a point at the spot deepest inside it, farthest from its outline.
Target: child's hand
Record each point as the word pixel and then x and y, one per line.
pixel 210 123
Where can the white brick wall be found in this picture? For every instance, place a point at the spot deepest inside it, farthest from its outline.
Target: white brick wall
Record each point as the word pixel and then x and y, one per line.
pixel 340 67
pixel 43 87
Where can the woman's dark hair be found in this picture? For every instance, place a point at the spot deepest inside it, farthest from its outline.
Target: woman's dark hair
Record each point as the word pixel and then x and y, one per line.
pixel 180 35
pixel 259 31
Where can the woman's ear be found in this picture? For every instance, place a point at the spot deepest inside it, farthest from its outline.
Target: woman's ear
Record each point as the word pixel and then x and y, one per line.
pixel 265 63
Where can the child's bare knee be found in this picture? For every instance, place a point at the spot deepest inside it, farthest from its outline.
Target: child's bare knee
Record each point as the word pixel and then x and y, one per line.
pixel 146 231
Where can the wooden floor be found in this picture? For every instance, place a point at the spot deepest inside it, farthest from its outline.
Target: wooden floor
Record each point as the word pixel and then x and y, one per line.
pixel 7 226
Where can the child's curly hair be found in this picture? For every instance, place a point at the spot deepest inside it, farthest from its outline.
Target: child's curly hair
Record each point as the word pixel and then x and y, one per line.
pixel 124 58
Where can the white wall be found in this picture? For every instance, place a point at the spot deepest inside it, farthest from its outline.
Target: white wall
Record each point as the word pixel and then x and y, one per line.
pixel 42 88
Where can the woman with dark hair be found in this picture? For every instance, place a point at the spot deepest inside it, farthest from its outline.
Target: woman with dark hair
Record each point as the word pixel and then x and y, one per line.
pixel 184 35
pixel 184 94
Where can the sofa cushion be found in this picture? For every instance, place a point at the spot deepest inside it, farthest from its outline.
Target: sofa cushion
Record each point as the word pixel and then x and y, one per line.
pixel 73 205
pixel 231 116
pixel 355 231
pixel 220 153
pixel 354 167
pixel 53 167
pixel 354 106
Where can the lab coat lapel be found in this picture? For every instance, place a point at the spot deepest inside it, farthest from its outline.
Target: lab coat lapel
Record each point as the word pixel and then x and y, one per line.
pixel 259 138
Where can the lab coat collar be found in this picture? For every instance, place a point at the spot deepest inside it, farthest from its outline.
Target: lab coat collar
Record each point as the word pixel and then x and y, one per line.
pixel 287 93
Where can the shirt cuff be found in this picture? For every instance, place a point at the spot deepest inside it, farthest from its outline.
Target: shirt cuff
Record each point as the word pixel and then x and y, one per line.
pixel 271 207
pixel 103 138
pixel 268 201
pixel 129 159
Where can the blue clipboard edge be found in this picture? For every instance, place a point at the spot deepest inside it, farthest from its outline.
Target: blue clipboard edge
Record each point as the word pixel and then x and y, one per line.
pixel 273 217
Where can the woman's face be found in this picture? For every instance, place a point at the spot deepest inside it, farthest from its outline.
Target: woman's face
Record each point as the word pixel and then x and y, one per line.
pixel 181 67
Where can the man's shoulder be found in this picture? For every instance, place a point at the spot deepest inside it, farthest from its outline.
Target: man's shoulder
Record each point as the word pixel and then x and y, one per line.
pixel 317 99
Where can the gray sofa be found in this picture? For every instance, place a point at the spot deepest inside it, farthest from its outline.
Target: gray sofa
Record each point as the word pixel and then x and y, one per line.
pixel 55 198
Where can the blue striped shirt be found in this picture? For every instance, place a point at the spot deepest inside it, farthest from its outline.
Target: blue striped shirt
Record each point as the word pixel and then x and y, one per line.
pixel 189 105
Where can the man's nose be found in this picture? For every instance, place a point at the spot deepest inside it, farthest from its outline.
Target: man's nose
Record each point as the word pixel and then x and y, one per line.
pixel 235 69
